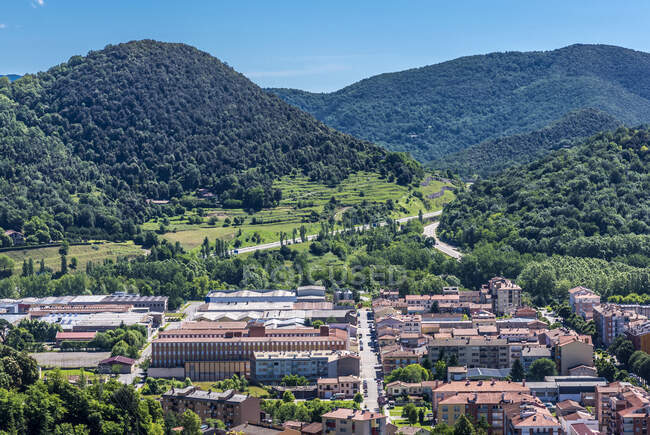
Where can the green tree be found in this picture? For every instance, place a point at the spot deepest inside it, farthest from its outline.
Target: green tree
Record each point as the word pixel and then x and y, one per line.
pixel 191 423
pixel 463 426
pixel 6 266
pixel 288 397
pixel 541 368
pixel 517 372
pixel 358 398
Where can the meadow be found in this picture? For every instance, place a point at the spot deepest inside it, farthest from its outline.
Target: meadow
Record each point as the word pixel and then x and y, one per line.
pixel 303 202
pixel 95 252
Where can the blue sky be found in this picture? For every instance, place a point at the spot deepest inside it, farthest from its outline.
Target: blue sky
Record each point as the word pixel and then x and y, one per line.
pixel 317 46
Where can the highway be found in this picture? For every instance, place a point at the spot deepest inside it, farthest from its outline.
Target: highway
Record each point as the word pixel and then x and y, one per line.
pixel 272 245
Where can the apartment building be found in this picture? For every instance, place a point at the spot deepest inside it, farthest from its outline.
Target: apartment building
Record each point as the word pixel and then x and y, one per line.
pixel 611 321
pixel 640 336
pixel 506 295
pixel 402 323
pixel 345 386
pixel 441 391
pixel 571 352
pixel 582 301
pixel 271 367
pixel 397 358
pixel 622 408
pixel 530 354
pixel 343 421
pixel 230 407
pixel 473 352
pixel 477 406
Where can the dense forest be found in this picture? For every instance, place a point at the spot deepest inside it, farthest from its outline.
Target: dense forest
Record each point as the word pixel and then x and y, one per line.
pixel 494 155
pixel 444 108
pixel 85 144
pixel 592 200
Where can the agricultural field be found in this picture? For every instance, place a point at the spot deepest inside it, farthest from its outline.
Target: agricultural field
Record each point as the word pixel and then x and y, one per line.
pixel 83 253
pixel 303 202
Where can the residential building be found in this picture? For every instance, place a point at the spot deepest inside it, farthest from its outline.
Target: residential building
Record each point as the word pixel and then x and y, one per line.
pixel 640 336
pixel 477 406
pixel 582 301
pixel 345 386
pixel 230 407
pixel 440 391
pixel 567 407
pixel 530 417
pixel 622 408
pixel 271 367
pixel 343 421
pixel 17 238
pixel 399 388
pixel 611 321
pixel 530 354
pixel 398 358
pixel 506 295
pixel 473 352
pixel 572 352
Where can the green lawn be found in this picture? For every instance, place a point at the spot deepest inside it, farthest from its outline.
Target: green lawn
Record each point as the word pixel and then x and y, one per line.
pixel 83 253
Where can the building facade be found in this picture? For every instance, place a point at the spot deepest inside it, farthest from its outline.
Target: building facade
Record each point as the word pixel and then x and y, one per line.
pixel 230 407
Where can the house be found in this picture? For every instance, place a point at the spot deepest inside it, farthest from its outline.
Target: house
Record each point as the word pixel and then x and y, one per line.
pixel 17 238
pixel 116 364
pixel 345 386
pixel 399 388
pixel 529 418
pixel 344 421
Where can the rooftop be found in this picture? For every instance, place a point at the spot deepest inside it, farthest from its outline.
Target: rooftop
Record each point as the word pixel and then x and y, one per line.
pixel 352 414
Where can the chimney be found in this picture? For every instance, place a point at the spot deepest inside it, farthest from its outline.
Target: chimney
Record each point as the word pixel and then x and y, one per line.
pixel 523 382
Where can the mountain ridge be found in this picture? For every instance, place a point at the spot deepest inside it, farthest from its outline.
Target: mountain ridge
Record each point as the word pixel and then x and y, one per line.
pixel 440 109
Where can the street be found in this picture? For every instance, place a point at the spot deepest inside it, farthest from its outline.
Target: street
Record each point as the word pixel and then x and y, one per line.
pixel 368 361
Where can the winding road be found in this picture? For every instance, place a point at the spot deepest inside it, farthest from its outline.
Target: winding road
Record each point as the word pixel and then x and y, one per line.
pixel 452 251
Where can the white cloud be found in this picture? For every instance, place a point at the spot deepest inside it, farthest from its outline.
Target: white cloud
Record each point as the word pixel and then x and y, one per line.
pixel 37 3
pixel 3 26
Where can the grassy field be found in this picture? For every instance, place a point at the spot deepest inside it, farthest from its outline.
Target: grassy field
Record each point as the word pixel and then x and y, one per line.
pixel 83 253
pixel 301 199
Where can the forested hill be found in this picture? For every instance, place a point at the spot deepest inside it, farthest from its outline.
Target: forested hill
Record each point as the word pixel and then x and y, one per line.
pixel 592 200
pixel 156 120
pixel 440 109
pixel 494 155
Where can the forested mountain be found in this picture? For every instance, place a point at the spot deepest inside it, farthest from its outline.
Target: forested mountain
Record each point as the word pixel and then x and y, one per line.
pixel 84 144
pixel 444 108
pixel 592 200
pixel 494 155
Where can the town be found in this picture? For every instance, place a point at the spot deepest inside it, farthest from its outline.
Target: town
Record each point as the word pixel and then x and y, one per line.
pixel 402 365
